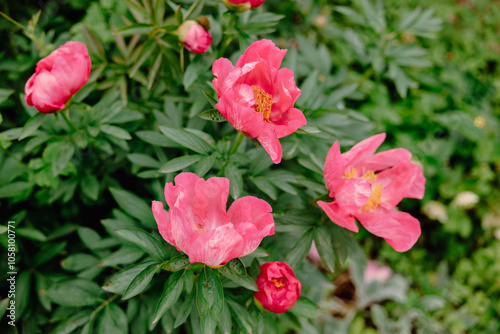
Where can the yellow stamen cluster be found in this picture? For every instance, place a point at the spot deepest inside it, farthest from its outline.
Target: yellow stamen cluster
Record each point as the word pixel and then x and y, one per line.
pixel 263 102
pixel 278 283
pixel 375 198
pixel 370 176
pixel 350 174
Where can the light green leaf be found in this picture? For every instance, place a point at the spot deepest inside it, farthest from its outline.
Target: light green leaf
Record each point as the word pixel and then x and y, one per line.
pixel 179 163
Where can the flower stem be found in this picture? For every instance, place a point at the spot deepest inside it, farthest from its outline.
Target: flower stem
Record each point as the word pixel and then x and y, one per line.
pixel 68 121
pixel 239 139
pixel 182 59
pixel 100 307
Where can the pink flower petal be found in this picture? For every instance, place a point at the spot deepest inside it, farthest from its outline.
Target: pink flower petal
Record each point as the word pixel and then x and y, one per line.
pixel 285 93
pixel 217 246
pixel 333 170
pixel 352 194
pixel 244 119
pixel 262 49
pixel 386 159
pixel 183 232
pixel 163 221
pixel 289 122
pixel 397 182
pixel 253 220
pixel 337 216
pixel 362 150
pixel 210 206
pixel 270 142
pixel 417 189
pixel 399 229
pixel 221 69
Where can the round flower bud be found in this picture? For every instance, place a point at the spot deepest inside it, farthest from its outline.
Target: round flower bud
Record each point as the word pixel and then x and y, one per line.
pixel 194 36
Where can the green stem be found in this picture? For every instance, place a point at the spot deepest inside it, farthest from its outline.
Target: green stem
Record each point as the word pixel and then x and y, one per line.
pixel 239 139
pixel 182 59
pixel 104 304
pixel 66 118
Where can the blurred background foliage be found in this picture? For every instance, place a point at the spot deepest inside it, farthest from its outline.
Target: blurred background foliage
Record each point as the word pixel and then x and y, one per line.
pixel 424 72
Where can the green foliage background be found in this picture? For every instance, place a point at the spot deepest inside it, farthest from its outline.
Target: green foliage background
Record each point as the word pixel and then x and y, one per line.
pixel 424 72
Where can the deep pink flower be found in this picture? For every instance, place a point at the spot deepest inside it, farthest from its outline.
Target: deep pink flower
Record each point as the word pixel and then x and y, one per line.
pixel 367 187
pixel 199 225
pixel 242 5
pixel 194 36
pixel 257 97
pixel 279 289
pixel 58 77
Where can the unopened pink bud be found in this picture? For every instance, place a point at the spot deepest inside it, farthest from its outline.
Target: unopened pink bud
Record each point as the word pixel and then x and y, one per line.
pixel 194 36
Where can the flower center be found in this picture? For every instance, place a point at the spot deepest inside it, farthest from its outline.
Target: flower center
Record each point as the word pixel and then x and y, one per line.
pixel 278 282
pixel 263 102
pixel 375 198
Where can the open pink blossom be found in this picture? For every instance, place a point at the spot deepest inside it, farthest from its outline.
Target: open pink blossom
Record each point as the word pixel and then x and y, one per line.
pixel 195 37
pixel 242 5
pixel 199 225
pixel 279 289
pixel 367 187
pixel 58 77
pixel 257 97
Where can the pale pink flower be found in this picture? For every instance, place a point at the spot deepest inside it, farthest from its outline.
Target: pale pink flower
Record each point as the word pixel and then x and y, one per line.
pixel 367 187
pixel 257 97
pixel 58 77
pixel 279 289
pixel 198 224
pixel 195 37
pixel 374 272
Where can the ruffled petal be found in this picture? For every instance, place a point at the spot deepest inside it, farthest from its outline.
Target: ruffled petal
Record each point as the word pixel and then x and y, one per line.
pixel 221 69
pixel 353 194
pixel 182 230
pixel 242 118
pixel 163 221
pixel 333 170
pixel 397 182
pixel 263 49
pixel 289 122
pixel 217 246
pixel 386 159
pixel 285 93
pixel 417 188
pixel 337 216
pixel 253 220
pixel 399 229
pixel 270 142
pixel 362 150
pixel 211 199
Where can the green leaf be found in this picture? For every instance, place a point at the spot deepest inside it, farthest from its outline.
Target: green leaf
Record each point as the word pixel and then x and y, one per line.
pixel 186 139
pixel 245 281
pixel 32 125
pixel 304 307
pixel 179 163
pixel 171 292
pixel 143 160
pixel 4 95
pixel 225 322
pixel 73 322
pixel 77 292
pixel 58 154
pixel 235 180
pixel 31 233
pixel 212 115
pixel 155 138
pixel 136 29
pixel 133 205
pixel 204 165
pixel 241 315
pixel 208 324
pixel 324 244
pixel 4 303
pixel 308 128
pixel 47 252
pixel 185 310
pixel 15 189
pixel 209 293
pixel 124 255
pixel 300 249
pixel 90 186
pixel 265 186
pixel 23 290
pixel 237 267
pixel 145 241
pixel 115 131
pixel 79 262
pixel 121 280
pixel 177 263
pixel 141 281
pixel 112 320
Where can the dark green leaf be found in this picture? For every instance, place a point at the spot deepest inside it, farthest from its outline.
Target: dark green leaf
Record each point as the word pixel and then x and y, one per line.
pixel 125 255
pixel 32 125
pixel 237 267
pixel 179 163
pixel 185 310
pixel 304 307
pixel 47 252
pixel 300 249
pixel 77 292
pixel 241 315
pixel 212 115
pixel 171 292
pixel 235 180
pixel 15 189
pixel 112 320
pixel 133 205
pixel 121 280
pixel 186 139
pixel 141 281
pixel 204 165
pixel 115 132
pixel 145 241
pixel 245 281
pixel 23 290
pixel 90 186
pixel 79 262
pixel 177 263
pixel 324 244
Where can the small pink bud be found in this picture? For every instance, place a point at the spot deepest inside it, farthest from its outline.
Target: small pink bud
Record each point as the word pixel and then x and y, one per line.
pixel 242 5
pixel 194 36
pixel 58 77
pixel 279 289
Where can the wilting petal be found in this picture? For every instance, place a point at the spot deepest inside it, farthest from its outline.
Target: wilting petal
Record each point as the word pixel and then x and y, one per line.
pixel 253 221
pixel 386 159
pixel 270 142
pixel 333 169
pixel 353 194
pixel 216 247
pixel 337 216
pixel 399 229
pixel 362 150
pixel 163 221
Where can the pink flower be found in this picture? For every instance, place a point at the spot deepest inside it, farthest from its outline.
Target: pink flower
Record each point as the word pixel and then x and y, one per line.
pixel 194 36
pixel 367 187
pixel 58 77
pixel 279 289
pixel 257 97
pixel 374 272
pixel 199 225
pixel 242 5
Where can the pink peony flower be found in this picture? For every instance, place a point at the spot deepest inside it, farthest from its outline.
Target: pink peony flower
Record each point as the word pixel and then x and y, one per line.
pixel 279 289
pixel 242 5
pixel 367 187
pixel 58 77
pixel 257 97
pixel 194 36
pixel 199 225
pixel 374 272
